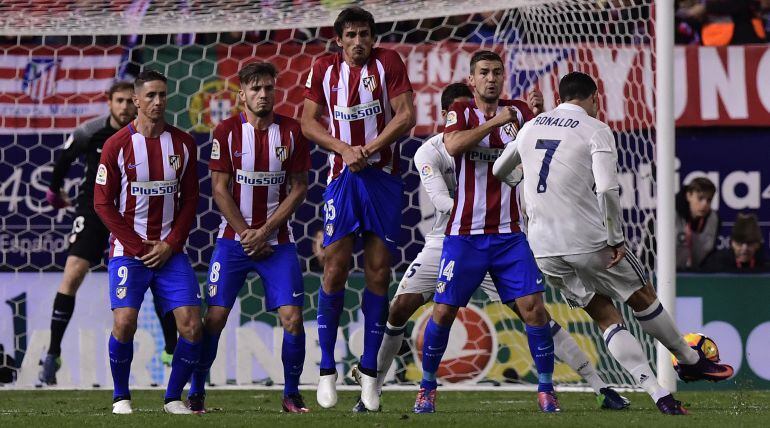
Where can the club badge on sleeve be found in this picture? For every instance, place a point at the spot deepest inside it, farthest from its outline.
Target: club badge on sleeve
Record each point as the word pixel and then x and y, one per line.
pixel 215 150
pixel 451 118
pixel 101 174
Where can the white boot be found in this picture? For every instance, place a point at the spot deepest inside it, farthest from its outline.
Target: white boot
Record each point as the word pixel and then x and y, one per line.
pixel 326 395
pixel 177 408
pixel 369 395
pixel 122 407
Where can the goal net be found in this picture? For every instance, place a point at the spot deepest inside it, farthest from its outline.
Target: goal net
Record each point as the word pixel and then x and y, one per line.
pixel 59 57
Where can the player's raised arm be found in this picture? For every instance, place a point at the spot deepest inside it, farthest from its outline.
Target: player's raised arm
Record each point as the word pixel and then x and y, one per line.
pixel 504 167
pixel 458 139
pixel 604 160
pixel 106 190
pixel 430 170
pixel 188 201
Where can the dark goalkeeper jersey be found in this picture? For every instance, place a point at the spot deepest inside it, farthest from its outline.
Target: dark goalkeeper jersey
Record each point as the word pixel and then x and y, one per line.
pixel 87 139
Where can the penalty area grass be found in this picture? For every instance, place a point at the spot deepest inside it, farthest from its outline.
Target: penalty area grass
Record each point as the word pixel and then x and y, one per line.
pixel 63 408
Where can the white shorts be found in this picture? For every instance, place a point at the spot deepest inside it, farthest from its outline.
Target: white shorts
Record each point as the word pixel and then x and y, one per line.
pixel 422 274
pixel 579 276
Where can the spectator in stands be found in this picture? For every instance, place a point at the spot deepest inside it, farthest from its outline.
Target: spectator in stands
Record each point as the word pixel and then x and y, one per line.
pixel 696 226
pixel 745 254
pixel 730 22
pixel 688 20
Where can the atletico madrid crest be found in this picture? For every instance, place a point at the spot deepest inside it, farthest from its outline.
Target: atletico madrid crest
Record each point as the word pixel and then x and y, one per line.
pixel 120 292
pixel 173 161
pixel 281 153
pixel 370 83
pixel 212 290
pixel 510 130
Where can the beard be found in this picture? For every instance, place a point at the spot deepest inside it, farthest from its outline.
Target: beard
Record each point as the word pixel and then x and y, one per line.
pixel 262 113
pixel 119 120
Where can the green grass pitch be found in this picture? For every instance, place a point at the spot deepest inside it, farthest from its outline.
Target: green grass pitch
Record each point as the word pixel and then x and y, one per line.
pixel 261 408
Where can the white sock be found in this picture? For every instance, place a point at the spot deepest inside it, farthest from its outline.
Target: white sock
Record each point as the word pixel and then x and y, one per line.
pixel 391 343
pixel 567 350
pixel 628 352
pixel 657 322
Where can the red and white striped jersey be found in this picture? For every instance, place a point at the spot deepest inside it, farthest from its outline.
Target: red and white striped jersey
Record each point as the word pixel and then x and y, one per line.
pixel 259 162
pixel 483 205
pixel 358 102
pixel 147 188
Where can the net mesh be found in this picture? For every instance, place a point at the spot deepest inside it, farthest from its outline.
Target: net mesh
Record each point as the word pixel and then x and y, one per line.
pixel 60 56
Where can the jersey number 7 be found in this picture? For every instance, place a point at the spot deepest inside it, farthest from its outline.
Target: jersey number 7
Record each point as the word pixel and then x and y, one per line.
pixel 550 148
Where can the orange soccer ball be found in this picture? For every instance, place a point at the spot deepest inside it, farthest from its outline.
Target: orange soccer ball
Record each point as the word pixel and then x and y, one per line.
pixel 703 343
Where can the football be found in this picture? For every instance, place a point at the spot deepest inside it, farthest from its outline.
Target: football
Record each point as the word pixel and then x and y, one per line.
pixel 703 343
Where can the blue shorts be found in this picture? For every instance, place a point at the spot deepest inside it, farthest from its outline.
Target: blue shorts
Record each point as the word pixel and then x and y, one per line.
pixel 280 273
pixel 465 259
pixel 173 285
pixel 364 201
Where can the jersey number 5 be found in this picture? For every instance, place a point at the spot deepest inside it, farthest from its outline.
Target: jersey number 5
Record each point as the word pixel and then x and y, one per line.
pixel 550 148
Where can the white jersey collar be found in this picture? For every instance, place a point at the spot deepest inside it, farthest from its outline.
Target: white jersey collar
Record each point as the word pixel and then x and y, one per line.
pixel 571 107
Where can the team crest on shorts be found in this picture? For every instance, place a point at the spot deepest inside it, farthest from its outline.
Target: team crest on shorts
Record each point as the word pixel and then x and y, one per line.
pixel 329 229
pixel 440 287
pixel 281 153
pixel 212 290
pixel 173 162
pixel 370 83
pixel 120 292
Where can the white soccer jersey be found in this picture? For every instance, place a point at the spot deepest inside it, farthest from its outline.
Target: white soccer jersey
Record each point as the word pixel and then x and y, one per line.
pixel 436 169
pixel 557 151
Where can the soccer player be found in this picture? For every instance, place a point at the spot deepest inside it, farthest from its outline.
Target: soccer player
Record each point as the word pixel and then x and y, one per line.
pixel 437 173
pixel 368 97
pixel 575 224
pixel 89 237
pixel 482 234
pixel 259 163
pixel 146 194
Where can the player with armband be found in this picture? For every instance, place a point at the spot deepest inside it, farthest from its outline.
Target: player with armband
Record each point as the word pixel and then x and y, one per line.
pixel 146 194
pixel 437 175
pixel 575 226
pixel 482 233
pixel 259 163
pixel 365 90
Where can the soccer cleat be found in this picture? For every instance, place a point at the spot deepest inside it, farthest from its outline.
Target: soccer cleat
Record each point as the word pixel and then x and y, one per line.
pixel 195 402
pixel 51 365
pixel 426 401
pixel 669 406
pixel 360 408
pixel 166 358
pixel 608 398
pixel 326 395
pixel 177 407
pixel 122 407
pixel 704 369
pixel 293 403
pixel 548 402
pixel 369 395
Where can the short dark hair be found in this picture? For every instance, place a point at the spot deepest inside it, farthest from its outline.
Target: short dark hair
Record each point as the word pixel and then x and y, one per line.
pixel 148 76
pixel 576 86
pixel 453 92
pixel 350 15
pixel 746 229
pixel 119 87
pixel 485 56
pixel 252 71
pixel 702 185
